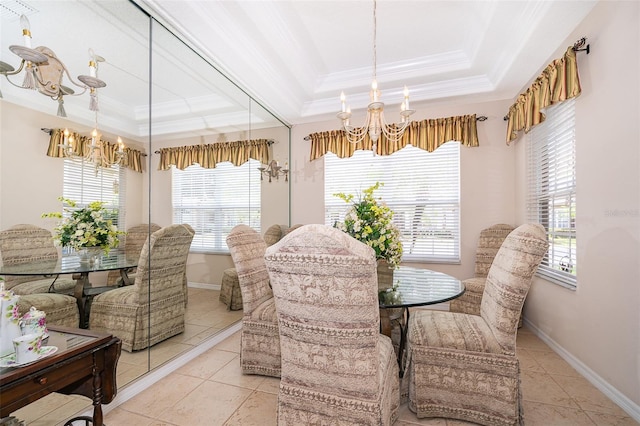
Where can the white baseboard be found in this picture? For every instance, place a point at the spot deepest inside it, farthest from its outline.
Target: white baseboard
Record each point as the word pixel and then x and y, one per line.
pixel 134 388
pixel 612 393
pixel 206 286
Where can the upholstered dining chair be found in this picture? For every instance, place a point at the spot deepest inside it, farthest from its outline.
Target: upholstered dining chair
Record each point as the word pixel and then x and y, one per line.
pixel 336 366
pixel 152 308
pixel 132 244
pixel 464 366
pixel 25 243
pixel 260 342
pixel 489 243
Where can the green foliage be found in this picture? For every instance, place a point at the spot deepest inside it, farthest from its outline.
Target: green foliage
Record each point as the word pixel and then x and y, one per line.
pixel 370 221
pixel 87 227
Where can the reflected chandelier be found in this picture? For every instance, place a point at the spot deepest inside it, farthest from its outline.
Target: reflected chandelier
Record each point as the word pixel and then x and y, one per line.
pixel 98 152
pixel 44 72
pixel 375 123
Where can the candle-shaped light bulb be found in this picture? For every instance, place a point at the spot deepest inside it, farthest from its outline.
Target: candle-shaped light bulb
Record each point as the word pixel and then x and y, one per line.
pixel 343 99
pixel 406 98
pixel 120 145
pixel 66 135
pixel 26 31
pixel 94 136
pixel 92 68
pixel 374 91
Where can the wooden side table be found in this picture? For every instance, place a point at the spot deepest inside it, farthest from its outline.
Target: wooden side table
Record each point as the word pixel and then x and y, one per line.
pixel 84 364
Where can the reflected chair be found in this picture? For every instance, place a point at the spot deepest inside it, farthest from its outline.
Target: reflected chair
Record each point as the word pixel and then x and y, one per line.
pixel 26 243
pixel 464 366
pixel 60 309
pixel 152 308
pixel 336 366
pixel 260 341
pixel 230 293
pixel 132 244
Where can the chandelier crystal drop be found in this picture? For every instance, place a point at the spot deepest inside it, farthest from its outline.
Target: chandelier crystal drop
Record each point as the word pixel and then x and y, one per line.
pixel 44 72
pixel 375 123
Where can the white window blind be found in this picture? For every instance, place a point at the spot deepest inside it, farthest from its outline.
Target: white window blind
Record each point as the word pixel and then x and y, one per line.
pixel 84 184
pixel 213 201
pixel 551 198
pixel 422 188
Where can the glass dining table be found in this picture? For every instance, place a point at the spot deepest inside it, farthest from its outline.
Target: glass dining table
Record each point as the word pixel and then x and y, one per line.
pixel 413 287
pixel 71 264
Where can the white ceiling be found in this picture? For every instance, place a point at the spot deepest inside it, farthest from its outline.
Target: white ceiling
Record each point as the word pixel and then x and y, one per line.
pixel 296 56
pixel 293 56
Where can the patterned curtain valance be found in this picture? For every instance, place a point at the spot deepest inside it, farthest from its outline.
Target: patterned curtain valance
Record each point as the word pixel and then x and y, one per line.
pixel 426 134
pixel 209 155
pixel 557 83
pixel 82 144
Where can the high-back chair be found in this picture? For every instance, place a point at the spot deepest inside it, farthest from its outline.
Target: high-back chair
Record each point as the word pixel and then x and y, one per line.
pixel 464 366
pixel 260 347
pixel 158 289
pixel 26 243
pixel 336 366
pixel 491 239
pixel 132 244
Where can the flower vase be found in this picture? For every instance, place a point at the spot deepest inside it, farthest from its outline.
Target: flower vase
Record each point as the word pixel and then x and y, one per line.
pixel 385 275
pixel 89 255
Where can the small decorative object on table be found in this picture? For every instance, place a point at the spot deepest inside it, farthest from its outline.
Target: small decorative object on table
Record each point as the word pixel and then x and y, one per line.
pixel 370 221
pixel 88 230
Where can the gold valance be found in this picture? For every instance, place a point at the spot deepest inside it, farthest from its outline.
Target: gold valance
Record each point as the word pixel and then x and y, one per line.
pixel 209 155
pixel 426 134
pixel 81 145
pixel 557 83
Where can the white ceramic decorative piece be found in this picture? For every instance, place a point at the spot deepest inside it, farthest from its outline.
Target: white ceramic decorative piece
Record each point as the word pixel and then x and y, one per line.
pixel 28 348
pixel 34 321
pixel 10 360
pixel 9 320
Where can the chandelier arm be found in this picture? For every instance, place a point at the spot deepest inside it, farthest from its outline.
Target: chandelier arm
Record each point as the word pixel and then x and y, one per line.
pixel 356 135
pixel 13 72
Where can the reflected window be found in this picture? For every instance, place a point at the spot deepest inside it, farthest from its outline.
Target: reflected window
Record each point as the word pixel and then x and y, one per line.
pixel 422 188
pixel 84 183
pixel 213 201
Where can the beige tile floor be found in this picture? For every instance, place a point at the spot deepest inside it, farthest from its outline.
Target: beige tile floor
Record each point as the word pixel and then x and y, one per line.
pixel 210 390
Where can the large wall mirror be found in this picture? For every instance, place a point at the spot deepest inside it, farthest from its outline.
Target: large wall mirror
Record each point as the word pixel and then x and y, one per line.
pixel 160 94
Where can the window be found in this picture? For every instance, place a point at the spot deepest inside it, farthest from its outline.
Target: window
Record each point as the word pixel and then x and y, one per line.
pixel 213 201
pixel 422 188
pixel 551 198
pixel 83 183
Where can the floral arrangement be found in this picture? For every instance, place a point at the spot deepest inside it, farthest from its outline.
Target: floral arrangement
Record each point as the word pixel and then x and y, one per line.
pixel 86 227
pixel 370 221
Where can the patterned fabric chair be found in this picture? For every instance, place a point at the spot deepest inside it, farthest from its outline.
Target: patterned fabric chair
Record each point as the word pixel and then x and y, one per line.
pixel 336 366
pixel 60 309
pixel 488 245
pixel 132 244
pixel 464 366
pixel 260 341
pixel 230 293
pixel 152 308
pixel 26 243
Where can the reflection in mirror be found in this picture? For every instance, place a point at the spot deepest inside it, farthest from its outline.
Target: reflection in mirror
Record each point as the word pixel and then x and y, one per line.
pixel 193 105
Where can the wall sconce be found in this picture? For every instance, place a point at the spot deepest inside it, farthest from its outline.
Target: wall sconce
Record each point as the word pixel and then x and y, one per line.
pixel 273 170
pixel 44 72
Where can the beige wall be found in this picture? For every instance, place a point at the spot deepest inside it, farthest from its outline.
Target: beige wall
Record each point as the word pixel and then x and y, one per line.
pixel 31 182
pixel 598 324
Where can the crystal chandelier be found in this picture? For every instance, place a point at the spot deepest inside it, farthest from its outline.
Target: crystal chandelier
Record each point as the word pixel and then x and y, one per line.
pixel 375 123
pixel 44 72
